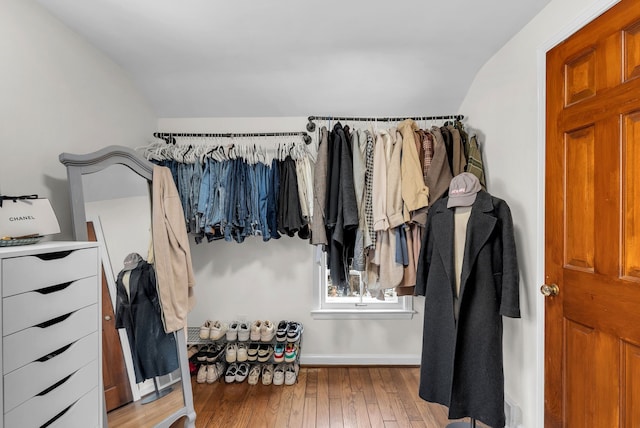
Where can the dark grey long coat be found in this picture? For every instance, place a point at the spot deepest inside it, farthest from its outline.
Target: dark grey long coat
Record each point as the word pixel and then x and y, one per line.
pixel 462 361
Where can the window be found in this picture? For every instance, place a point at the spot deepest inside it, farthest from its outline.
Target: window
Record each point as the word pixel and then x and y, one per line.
pixel 355 301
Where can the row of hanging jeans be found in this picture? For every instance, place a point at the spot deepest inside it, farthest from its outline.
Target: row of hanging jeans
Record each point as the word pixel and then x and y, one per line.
pixel 232 199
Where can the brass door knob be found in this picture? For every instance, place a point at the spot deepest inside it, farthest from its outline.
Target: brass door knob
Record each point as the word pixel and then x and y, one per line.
pixel 107 318
pixel 549 290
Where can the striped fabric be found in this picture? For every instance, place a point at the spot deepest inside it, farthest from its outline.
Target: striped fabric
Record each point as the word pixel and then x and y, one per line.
pixel 368 189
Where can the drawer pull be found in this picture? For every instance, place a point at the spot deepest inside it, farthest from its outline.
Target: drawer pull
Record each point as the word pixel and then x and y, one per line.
pixel 56 417
pixel 54 288
pixel 54 353
pixel 54 321
pixel 54 256
pixel 54 386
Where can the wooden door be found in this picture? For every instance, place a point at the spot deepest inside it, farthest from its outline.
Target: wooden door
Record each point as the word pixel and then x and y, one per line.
pixel 117 390
pixel 592 326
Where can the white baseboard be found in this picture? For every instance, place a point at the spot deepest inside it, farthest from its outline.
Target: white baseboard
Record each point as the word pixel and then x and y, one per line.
pixel 361 360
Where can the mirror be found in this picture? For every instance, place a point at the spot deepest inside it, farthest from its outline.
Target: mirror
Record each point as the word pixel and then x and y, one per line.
pixel 112 200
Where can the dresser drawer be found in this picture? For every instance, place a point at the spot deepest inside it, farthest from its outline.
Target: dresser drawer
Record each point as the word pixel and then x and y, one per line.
pixel 29 380
pixel 34 307
pixel 32 343
pixel 21 274
pixel 82 413
pixel 49 403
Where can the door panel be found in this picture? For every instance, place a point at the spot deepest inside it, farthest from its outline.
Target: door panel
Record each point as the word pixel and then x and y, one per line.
pixel 592 224
pixel 117 390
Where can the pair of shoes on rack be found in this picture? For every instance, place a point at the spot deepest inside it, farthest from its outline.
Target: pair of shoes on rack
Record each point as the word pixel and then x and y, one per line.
pixel 263 331
pixel 209 353
pixel 236 352
pixel 285 374
pixel 238 331
pixel 210 372
pixel 264 352
pixel 236 372
pixel 213 330
pixel 285 353
pixel 288 331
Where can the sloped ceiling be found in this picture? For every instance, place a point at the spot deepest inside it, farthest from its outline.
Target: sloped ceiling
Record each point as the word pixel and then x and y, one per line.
pixel 213 58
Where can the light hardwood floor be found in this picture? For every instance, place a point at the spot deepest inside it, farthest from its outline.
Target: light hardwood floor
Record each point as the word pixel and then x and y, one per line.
pixel 322 397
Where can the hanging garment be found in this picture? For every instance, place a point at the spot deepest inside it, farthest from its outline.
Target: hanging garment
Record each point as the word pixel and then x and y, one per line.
pixel 474 163
pixel 172 253
pixel 415 193
pixel 154 352
pixel 318 231
pixel 458 160
pixel 462 361
pixel 342 220
pixel 439 175
pixel 290 220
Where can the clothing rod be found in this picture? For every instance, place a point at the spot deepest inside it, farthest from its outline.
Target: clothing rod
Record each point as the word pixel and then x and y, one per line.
pixel 387 119
pixel 169 137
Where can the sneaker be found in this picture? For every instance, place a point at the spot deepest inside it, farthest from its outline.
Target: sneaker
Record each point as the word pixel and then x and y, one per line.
pixel 290 352
pixel 267 374
pixel 252 352
pixel 205 329
pixel 255 330
pixel 202 354
pixel 242 372
pixel 232 332
pixel 290 374
pixel 254 375
pixel 243 332
pixel 230 374
pixel 215 351
pixel 278 353
pixel 214 372
pixel 294 331
pixel 218 330
pixel 241 352
pixel 267 331
pixel 231 352
pixel 264 353
pixel 281 332
pixel 278 374
pixel 201 377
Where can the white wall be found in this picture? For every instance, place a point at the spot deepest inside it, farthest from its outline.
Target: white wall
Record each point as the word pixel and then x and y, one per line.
pixel 274 280
pixel 58 94
pixel 503 104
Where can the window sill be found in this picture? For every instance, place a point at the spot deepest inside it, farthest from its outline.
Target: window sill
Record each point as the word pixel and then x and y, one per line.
pixel 362 314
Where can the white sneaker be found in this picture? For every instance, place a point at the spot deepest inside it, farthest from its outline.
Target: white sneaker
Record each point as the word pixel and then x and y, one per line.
pixel 230 374
pixel 241 352
pixel 232 332
pixel 231 353
pixel 278 375
pixel 205 329
pixel 267 331
pixel 242 372
pixel 201 377
pixel 243 332
pixel 254 375
pixel 267 374
pixel 218 329
pixel 214 371
pixel 290 374
pixel 255 330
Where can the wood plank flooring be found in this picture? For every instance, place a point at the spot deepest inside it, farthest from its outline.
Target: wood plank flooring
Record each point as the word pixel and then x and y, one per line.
pixel 323 397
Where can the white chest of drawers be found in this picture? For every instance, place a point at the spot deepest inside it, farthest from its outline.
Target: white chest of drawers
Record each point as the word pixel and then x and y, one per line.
pixel 51 336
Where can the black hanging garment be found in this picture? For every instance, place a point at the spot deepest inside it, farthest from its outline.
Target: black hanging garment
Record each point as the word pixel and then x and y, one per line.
pixel 462 359
pixel 154 352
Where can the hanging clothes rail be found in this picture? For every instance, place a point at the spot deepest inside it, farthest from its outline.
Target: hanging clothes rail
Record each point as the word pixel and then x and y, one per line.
pixel 312 126
pixel 169 137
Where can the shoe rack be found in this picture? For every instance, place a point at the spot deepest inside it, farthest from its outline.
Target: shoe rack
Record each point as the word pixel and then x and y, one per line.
pixel 274 361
